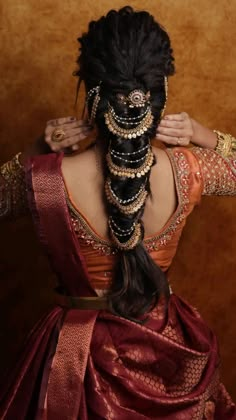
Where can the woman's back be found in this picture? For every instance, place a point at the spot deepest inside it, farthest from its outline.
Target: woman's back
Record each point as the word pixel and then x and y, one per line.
pixel 139 352
pixel 84 181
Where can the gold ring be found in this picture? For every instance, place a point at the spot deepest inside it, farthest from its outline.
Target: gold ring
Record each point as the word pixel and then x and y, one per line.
pixel 58 135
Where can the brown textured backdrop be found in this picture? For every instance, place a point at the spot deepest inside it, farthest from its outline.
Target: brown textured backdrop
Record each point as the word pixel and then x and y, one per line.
pixel 37 58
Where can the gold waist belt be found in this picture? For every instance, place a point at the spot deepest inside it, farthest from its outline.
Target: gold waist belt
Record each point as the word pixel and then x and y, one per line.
pixel 82 302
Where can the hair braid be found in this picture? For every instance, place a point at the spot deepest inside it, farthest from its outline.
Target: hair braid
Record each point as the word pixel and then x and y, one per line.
pixel 123 52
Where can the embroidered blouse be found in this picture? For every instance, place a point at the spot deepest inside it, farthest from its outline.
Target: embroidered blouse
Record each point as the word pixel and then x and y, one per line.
pixel 197 172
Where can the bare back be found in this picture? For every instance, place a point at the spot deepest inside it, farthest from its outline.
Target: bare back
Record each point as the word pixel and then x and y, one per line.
pixel 85 183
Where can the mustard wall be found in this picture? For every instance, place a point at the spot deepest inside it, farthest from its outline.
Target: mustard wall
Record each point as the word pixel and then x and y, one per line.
pixel 38 53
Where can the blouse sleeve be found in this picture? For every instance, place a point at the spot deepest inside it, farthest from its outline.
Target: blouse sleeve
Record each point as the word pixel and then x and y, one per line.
pixel 13 194
pixel 218 173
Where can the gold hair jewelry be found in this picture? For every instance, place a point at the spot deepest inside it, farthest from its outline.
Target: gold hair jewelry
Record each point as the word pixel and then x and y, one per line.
pixel 94 107
pixel 126 209
pixel 136 98
pixel 113 153
pixel 226 144
pixel 129 230
pixel 166 95
pixel 96 101
pixel 120 200
pixel 131 172
pixel 133 240
pixel 125 232
pixel 58 135
pixel 128 120
pixel 135 152
pixel 125 133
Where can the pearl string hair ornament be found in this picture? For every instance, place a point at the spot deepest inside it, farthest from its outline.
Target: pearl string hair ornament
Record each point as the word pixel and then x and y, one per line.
pixel 129 230
pixel 126 160
pixel 132 208
pixel 166 94
pixel 96 101
pixel 131 172
pixel 120 200
pixel 132 241
pixel 127 120
pixel 130 133
pixel 131 153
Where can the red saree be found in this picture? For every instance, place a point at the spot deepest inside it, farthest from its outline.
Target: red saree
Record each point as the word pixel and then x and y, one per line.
pixel 84 364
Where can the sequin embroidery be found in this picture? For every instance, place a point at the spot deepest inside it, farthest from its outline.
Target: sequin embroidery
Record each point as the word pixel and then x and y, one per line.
pixel 218 173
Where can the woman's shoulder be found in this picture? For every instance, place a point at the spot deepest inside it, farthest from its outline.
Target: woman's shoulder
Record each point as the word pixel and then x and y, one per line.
pixel 180 166
pixel 182 159
pixel 80 170
pixel 175 160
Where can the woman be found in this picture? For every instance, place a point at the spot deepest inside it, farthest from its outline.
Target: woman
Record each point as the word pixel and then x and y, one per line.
pixel 119 344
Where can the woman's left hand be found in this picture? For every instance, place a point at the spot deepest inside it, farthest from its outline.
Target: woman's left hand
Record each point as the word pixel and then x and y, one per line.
pixel 175 129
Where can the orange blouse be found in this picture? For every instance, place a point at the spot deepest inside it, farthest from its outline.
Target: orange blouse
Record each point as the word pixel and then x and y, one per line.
pixel 195 173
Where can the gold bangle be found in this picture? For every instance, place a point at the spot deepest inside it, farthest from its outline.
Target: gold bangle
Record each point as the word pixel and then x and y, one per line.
pixel 226 144
pixel 10 170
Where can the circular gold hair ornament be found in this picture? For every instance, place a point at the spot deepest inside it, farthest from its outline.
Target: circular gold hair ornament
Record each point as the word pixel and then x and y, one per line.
pixel 137 98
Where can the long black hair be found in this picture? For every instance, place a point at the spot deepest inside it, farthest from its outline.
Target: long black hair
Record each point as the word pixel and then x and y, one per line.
pixel 123 51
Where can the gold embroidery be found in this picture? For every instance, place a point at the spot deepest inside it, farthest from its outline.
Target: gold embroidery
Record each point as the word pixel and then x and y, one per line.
pixel 218 173
pixel 181 173
pixel 13 197
pixel 83 231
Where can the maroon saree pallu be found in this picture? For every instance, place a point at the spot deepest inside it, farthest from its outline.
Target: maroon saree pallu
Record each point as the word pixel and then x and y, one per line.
pixel 67 373
pixel 96 365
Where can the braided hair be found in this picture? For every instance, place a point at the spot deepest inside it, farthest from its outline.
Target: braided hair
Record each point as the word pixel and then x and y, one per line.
pixel 122 53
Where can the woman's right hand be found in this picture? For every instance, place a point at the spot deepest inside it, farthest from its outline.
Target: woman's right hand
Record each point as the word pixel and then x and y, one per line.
pixel 75 131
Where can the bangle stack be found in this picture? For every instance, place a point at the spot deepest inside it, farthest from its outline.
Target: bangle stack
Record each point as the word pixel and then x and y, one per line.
pixel 226 144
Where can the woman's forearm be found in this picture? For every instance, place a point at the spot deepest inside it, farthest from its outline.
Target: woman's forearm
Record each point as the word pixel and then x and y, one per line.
pixel 202 136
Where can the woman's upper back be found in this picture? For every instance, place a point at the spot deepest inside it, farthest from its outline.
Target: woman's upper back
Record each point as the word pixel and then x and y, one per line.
pixel 84 181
